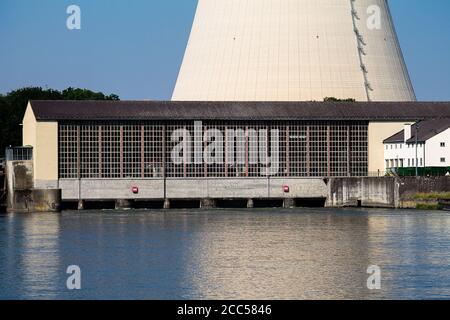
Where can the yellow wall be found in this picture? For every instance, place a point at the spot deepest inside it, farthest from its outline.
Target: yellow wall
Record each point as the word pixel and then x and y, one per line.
pixel 29 127
pixel 378 132
pixel 43 137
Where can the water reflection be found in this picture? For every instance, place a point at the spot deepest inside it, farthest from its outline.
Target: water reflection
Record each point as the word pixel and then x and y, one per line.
pixel 264 254
pixel 40 257
pixel 288 256
pixel 31 255
pixel 413 251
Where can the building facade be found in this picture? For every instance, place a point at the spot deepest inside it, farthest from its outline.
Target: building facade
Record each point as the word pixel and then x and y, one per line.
pixel 102 150
pixel 425 144
pixel 293 50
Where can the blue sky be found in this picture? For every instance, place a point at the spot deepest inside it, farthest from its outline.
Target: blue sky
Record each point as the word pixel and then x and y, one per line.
pixel 134 47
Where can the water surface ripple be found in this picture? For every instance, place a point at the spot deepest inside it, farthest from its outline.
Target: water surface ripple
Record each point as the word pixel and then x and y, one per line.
pixel 226 254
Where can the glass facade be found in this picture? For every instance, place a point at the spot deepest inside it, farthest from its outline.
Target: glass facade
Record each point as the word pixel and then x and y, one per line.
pixel 212 149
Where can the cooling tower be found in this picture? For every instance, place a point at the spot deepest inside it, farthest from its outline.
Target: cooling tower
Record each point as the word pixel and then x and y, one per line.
pixel 293 50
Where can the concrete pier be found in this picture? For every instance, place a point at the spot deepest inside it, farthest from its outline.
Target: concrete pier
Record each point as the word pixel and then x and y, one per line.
pixel 166 204
pixel 46 200
pixel 208 203
pixel 289 203
pixel 250 203
pixel 21 194
pixel 81 205
pixel 123 204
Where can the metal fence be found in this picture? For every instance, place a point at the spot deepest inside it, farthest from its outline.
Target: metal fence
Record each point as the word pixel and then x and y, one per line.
pixel 19 153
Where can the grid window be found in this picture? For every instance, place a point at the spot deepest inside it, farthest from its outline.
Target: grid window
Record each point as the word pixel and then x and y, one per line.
pixel 213 149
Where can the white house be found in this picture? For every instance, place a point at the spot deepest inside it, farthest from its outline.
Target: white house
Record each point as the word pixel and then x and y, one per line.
pixel 431 150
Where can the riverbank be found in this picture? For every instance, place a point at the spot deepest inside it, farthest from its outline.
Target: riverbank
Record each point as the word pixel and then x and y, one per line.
pixel 428 201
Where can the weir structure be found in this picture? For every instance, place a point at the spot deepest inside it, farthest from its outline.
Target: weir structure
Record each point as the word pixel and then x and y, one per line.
pixel 293 50
pixel 206 154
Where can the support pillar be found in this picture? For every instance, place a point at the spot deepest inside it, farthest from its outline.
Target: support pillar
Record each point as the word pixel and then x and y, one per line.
pixel 123 204
pixel 207 203
pixel 289 203
pixel 80 204
pixel 250 204
pixel 166 204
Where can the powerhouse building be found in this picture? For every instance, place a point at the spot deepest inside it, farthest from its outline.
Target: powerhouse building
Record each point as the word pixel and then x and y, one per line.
pixel 99 150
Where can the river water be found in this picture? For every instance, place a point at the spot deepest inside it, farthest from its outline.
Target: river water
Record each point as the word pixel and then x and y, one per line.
pixel 226 254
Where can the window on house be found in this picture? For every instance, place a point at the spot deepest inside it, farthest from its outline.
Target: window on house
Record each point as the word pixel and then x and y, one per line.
pixel 421 161
pixel 409 162
pixel 442 160
pixel 443 144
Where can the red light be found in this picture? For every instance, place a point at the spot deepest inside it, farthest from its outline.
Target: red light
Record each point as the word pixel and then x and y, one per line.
pixel 286 188
pixel 135 190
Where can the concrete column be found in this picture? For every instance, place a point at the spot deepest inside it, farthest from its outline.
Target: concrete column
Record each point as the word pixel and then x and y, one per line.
pixel 166 204
pixel 289 203
pixel 122 204
pixel 207 203
pixel 80 204
pixel 46 200
pixel 397 183
pixel 250 203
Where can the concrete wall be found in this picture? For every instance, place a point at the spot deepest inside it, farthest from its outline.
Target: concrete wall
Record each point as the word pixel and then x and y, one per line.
pixel 368 192
pixel 191 188
pixel 110 189
pixel 22 197
pixel 43 137
pixel 409 186
pixel 19 179
pixel 383 192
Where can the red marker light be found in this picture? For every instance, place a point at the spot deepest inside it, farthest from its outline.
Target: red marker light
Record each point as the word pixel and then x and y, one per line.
pixel 135 190
pixel 286 188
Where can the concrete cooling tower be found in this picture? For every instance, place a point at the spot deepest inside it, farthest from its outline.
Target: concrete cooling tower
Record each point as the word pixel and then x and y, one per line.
pixel 293 50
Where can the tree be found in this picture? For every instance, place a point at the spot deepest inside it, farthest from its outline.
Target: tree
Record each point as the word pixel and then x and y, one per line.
pixel 84 94
pixel 333 99
pixel 13 105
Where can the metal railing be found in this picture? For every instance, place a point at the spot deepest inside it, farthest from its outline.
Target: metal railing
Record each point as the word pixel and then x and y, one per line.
pixel 19 153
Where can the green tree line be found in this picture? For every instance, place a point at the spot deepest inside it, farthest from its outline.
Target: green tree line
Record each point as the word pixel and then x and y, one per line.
pixel 14 103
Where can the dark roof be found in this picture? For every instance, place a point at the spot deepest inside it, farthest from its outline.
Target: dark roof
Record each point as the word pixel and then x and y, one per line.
pixel 425 130
pixel 168 110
